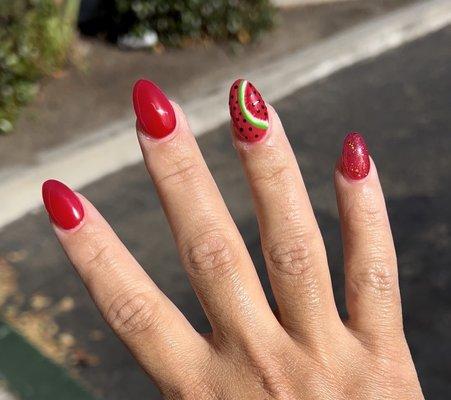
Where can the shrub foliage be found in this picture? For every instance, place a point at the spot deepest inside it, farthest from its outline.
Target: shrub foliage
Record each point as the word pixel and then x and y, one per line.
pixel 35 36
pixel 176 21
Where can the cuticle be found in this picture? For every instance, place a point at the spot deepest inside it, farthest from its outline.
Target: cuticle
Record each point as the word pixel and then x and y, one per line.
pixel 70 230
pixel 164 139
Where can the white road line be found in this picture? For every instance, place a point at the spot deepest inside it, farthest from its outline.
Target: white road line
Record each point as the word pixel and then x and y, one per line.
pixel 115 147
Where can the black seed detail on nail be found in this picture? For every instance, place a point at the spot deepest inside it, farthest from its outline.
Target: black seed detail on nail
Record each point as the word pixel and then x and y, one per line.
pixel 256 136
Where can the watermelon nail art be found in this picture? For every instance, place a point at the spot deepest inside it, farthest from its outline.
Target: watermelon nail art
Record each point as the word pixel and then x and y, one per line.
pixel 248 111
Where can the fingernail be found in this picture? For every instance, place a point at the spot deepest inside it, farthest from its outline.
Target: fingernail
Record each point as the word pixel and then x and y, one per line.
pixel 355 160
pixel 155 114
pixel 62 204
pixel 248 111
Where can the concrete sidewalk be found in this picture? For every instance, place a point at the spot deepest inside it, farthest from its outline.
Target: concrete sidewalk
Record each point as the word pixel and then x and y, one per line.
pixel 5 395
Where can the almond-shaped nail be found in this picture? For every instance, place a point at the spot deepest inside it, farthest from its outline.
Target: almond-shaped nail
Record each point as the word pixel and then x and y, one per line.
pixel 155 114
pixel 62 204
pixel 248 111
pixel 355 159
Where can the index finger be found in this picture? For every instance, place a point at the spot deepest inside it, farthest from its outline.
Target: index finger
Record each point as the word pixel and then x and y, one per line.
pixel 154 330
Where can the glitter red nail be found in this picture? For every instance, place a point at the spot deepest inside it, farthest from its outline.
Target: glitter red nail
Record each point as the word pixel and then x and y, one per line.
pixel 355 160
pixel 248 111
pixel 62 204
pixel 155 114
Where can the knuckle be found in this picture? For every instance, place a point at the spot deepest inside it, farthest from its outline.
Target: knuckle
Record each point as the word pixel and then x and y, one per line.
pixel 102 261
pixel 210 252
pixel 378 276
pixel 183 170
pixel 100 258
pixel 366 210
pixel 276 174
pixel 132 313
pixel 293 256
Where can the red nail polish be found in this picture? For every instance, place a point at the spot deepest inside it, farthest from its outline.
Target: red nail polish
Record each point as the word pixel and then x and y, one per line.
pixel 248 111
pixel 355 161
pixel 62 204
pixel 155 114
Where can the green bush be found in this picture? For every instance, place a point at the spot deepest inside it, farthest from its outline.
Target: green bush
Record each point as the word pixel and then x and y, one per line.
pixel 35 36
pixel 176 21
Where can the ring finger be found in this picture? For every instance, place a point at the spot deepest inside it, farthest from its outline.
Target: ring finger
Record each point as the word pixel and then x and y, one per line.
pixel 291 241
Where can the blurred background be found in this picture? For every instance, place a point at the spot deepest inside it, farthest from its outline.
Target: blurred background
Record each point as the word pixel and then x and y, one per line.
pixel 381 67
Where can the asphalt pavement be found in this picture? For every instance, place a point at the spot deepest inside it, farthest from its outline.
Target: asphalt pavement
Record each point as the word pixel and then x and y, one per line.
pixel 400 101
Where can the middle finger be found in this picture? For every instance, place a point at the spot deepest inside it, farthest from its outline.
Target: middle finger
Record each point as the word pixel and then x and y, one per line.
pixel 211 248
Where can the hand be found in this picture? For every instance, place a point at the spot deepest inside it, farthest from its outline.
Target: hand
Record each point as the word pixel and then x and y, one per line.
pixel 307 351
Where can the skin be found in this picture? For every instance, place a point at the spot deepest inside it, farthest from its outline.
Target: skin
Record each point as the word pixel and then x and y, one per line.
pixel 307 351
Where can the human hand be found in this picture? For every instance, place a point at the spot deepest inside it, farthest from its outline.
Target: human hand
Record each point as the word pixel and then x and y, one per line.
pixel 307 351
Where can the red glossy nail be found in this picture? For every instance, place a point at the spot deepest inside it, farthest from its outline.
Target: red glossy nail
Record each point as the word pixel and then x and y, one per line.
pixel 155 113
pixel 62 204
pixel 248 111
pixel 355 160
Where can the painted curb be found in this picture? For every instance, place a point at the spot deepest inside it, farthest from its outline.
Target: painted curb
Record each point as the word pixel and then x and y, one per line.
pixel 115 147
pixel 32 376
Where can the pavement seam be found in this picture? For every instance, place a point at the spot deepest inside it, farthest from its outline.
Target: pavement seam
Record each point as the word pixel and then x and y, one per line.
pixel 115 147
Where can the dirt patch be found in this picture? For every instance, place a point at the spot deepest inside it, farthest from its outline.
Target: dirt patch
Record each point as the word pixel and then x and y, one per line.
pixel 8 282
pixel 35 319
